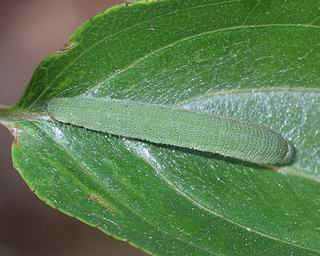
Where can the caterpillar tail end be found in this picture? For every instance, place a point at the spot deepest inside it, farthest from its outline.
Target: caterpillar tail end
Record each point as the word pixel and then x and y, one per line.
pixel 289 156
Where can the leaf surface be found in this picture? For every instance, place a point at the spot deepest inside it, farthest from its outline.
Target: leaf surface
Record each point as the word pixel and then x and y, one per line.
pixel 256 61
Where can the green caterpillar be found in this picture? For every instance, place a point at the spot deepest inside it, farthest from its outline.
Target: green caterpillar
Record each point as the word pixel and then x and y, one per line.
pixel 172 126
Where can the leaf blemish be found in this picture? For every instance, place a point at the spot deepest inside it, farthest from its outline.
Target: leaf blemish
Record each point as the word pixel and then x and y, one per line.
pixel 67 46
pixel 97 199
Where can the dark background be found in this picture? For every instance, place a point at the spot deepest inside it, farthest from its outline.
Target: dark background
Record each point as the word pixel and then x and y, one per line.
pixel 29 31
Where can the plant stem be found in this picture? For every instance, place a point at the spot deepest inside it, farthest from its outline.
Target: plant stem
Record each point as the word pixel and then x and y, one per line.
pixel 8 115
pixel 3 113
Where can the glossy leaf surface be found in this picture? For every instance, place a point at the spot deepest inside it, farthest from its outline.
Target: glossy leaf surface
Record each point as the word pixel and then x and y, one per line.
pixel 256 61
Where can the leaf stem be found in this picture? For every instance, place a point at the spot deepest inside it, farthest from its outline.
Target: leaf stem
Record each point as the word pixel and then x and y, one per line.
pixel 11 114
pixel 5 114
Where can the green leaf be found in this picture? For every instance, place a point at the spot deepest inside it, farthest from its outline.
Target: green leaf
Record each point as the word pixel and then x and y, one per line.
pixel 256 61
